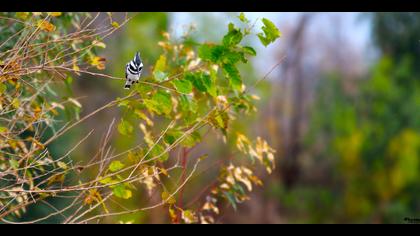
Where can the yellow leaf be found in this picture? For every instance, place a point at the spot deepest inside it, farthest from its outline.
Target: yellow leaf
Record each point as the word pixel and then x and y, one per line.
pixel 76 68
pixel 99 62
pixel 160 64
pixel 22 15
pixel 173 215
pixel 115 24
pixel 55 14
pixel 62 165
pixel 167 198
pixel 143 116
pixel 46 26
pixel 15 103
pixel 3 129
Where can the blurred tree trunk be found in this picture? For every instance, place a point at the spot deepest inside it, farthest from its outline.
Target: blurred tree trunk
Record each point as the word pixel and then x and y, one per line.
pixel 292 72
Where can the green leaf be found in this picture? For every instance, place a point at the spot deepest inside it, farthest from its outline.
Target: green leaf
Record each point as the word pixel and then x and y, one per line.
pixel 2 88
pixel 212 53
pixel 124 103
pixel 115 166
pixel 125 128
pixel 233 37
pixel 171 136
pixel 188 140
pixel 243 18
pixel 191 140
pixel 167 198
pixel 163 101
pixel 204 52
pixel 3 129
pixel 68 82
pixel 220 120
pixel 160 76
pixel 152 106
pixel 144 89
pixel 14 164
pixel 108 180
pixel 22 15
pixel 183 86
pixel 202 82
pixel 160 64
pixel 197 81
pixel 160 103
pixel 158 70
pixel 231 199
pixel 270 32
pixel 249 50
pixel 265 41
pixel 188 107
pixel 122 192
pixel 234 77
pixel 158 150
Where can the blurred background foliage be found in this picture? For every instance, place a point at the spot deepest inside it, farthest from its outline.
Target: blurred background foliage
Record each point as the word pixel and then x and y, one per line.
pixel 344 120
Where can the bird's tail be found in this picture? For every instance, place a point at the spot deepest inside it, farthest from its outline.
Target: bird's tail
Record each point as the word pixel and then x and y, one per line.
pixel 127 85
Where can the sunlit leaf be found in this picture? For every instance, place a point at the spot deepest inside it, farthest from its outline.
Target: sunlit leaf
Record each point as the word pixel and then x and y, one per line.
pixel 62 165
pixel 243 18
pixel 159 151
pixel 115 166
pixel 55 14
pixel 270 32
pixel 160 103
pixel 2 88
pixel 183 86
pixel 249 50
pixel 234 77
pixel 46 26
pixel 99 62
pixel 121 191
pixel 167 198
pixel 15 103
pixel 22 15
pixel 159 69
pixel 115 24
pixel 125 128
pixel 3 129
pixel 233 37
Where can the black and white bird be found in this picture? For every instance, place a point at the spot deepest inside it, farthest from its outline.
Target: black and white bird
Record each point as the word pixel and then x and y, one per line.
pixel 133 71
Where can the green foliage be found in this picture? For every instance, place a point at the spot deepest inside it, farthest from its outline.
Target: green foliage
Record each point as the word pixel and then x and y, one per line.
pixel 193 88
pixel 373 134
pixel 121 191
pixel 270 32
pixel 160 103
pixel 183 85
pixel 115 166
pixel 125 128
